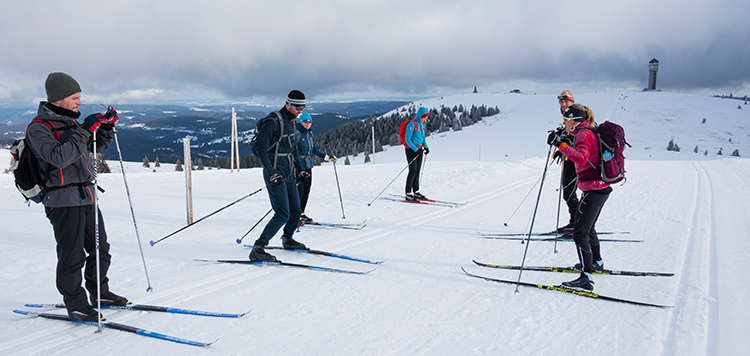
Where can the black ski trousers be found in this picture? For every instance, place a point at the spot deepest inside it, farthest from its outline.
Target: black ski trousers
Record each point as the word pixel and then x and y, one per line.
pixel 304 189
pixel 584 232
pixel 569 187
pixel 76 249
pixel 412 179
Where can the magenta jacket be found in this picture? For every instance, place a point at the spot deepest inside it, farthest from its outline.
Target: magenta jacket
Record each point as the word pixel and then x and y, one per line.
pixel 585 154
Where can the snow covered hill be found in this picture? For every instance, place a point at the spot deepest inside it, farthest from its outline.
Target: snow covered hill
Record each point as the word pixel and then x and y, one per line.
pixel 690 210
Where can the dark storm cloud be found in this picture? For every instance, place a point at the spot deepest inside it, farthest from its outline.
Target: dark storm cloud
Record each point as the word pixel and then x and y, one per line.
pixel 140 50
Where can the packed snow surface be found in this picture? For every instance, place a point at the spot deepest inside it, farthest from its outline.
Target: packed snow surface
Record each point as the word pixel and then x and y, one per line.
pixel 690 210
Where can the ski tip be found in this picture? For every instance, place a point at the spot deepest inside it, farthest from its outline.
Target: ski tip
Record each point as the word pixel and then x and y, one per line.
pixel 207 344
pixel 25 312
pixel 243 314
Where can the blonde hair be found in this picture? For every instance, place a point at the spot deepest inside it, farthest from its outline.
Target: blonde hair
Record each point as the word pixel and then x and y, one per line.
pixel 587 110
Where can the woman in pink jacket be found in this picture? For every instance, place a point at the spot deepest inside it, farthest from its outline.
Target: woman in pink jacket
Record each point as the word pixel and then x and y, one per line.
pixel 585 155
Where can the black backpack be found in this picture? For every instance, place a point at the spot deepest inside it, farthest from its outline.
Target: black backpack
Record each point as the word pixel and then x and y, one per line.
pixel 273 149
pixel 25 166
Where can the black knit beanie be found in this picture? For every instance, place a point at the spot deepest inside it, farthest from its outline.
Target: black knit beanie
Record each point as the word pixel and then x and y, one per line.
pixel 575 114
pixel 295 97
pixel 60 86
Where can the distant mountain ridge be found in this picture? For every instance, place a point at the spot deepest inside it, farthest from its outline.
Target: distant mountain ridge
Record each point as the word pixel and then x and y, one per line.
pixel 157 130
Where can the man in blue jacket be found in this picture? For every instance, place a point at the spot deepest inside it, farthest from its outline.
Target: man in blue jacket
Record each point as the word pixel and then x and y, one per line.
pixel 416 147
pixel 277 151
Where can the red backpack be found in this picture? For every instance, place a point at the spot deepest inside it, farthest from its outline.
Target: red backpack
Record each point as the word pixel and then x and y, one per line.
pixel 612 143
pixel 402 131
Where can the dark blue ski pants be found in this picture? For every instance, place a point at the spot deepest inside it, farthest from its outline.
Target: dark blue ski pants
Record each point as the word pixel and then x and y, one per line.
pixel 285 203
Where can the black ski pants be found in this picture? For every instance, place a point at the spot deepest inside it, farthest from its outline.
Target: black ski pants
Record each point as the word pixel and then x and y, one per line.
pixel 76 249
pixel 584 232
pixel 304 189
pixel 412 179
pixel 569 187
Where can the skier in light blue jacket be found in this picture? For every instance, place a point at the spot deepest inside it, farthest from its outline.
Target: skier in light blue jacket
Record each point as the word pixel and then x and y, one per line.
pixel 416 147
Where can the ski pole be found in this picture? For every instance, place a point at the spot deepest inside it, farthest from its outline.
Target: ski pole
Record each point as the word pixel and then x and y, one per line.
pixel 328 140
pixel 343 216
pixel 559 199
pixel 394 179
pixel 130 201
pixel 524 199
pixel 96 234
pixel 132 214
pixel 239 241
pixel 152 242
pixel 533 217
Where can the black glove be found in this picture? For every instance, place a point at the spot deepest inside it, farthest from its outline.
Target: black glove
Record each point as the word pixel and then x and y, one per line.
pixel 110 117
pixel 276 178
pixel 93 121
pixel 426 150
pixel 554 139
pixel 558 155
pixel 303 176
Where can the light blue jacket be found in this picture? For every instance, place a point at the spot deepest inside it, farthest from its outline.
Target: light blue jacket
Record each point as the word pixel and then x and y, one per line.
pixel 414 135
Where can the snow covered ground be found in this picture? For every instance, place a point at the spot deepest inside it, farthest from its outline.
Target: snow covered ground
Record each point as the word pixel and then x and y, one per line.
pixel 690 210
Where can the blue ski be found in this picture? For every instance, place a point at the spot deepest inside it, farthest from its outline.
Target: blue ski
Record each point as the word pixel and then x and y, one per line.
pixel 284 264
pixel 116 326
pixel 323 253
pixel 145 307
pixel 359 226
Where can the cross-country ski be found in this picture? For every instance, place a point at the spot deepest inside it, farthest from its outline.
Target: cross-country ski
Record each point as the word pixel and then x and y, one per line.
pixel 354 226
pixel 117 326
pixel 568 290
pixel 324 253
pixel 285 264
pixel 154 308
pixel 566 234
pixel 573 270
pixel 567 238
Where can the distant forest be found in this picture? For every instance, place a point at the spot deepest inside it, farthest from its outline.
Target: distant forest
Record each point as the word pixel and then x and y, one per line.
pixel 354 138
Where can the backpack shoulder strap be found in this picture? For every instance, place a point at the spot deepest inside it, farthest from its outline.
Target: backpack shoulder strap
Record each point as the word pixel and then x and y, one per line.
pixel 55 130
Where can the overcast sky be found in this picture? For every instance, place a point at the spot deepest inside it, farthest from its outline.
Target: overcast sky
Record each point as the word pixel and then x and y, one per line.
pixel 153 50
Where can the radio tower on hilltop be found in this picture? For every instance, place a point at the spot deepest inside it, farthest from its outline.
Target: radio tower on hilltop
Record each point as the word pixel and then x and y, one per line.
pixel 653 67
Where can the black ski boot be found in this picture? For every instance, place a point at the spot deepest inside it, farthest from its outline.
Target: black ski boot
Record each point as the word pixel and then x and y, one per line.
pixel 565 229
pixel 411 197
pixel 290 243
pixel 598 266
pixel 306 219
pixel 419 196
pixel 86 313
pixel 583 282
pixel 258 254
pixel 109 299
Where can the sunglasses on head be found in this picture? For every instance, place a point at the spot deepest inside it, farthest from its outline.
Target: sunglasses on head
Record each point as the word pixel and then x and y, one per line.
pixel 563 97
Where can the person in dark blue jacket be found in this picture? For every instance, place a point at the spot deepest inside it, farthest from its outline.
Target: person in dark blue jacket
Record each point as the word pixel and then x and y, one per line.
pixel 277 151
pixel 416 148
pixel 307 148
